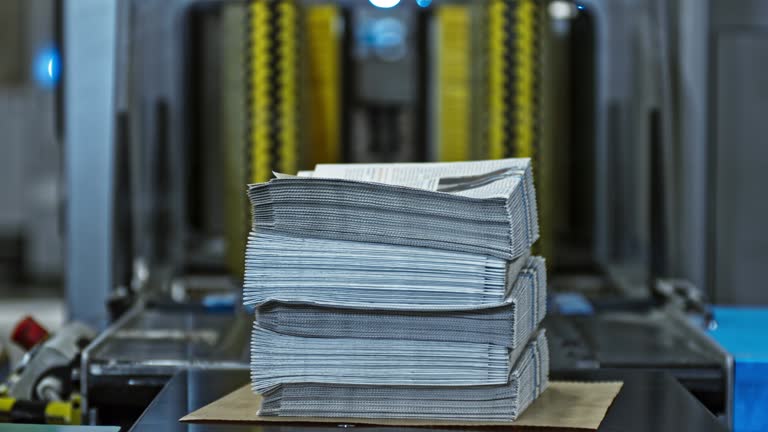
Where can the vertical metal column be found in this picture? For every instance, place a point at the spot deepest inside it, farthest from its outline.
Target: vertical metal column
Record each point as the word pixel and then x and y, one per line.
pixel 89 56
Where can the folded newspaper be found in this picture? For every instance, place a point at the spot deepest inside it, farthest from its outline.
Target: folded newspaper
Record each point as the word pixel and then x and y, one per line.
pixel 282 359
pixel 481 207
pixel 502 402
pixel 508 325
pixel 371 275
pixel 397 291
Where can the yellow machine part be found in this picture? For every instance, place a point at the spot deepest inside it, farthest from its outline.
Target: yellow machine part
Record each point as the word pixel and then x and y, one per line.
pixel 258 74
pixel 6 404
pixel 525 60
pixel 233 132
pixel 497 78
pixel 286 75
pixel 58 412
pixel 272 75
pixel 64 413
pixel 323 42
pixel 454 60
pixel 513 57
pixel 514 112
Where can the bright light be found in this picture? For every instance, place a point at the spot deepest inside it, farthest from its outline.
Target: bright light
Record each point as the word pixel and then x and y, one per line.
pixel 384 4
pixel 580 7
pixel 423 3
pixel 561 10
pixel 46 68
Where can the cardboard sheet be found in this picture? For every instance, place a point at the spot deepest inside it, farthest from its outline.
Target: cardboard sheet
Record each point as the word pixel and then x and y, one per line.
pixel 566 405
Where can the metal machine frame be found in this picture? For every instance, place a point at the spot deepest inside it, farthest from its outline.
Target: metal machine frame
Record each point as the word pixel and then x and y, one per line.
pixel 126 131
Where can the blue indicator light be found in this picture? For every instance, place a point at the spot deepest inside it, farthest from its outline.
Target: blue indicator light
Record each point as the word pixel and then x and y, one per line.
pixel 46 68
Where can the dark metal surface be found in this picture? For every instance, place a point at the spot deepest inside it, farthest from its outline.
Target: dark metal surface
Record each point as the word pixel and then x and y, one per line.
pixel 648 401
pixel 55 428
pixel 160 340
pixel 627 339
pixel 652 340
pixel 137 355
pixel 737 242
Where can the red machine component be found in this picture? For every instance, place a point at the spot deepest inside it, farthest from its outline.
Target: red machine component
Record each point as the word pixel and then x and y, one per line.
pixel 28 333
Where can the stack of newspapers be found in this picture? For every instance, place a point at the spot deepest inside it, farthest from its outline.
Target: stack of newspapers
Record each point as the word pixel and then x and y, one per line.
pixel 397 291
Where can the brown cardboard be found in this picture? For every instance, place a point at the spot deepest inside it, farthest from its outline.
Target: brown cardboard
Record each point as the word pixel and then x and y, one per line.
pixel 567 405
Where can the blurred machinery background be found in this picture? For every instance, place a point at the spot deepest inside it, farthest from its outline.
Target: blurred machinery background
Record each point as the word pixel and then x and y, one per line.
pixel 642 118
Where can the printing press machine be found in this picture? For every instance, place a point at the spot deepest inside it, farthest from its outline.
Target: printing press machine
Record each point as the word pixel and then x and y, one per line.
pixel 192 82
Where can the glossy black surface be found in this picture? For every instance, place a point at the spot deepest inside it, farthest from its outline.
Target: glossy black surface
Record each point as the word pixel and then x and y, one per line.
pixel 648 339
pixel 645 338
pixel 648 401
